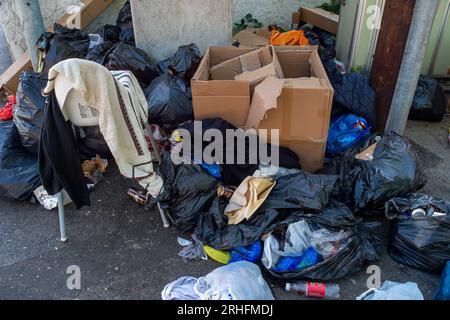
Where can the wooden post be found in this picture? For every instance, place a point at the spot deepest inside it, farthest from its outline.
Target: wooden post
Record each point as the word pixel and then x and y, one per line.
pixel 388 57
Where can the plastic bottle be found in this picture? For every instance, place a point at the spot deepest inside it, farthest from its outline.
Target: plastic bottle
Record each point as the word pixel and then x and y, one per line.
pixel 314 290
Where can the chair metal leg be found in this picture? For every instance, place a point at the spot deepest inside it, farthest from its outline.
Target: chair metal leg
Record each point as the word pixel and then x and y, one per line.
pixel 163 217
pixel 62 222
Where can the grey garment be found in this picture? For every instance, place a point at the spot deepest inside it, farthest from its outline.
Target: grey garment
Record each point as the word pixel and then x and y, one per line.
pixel 193 250
pixel 181 289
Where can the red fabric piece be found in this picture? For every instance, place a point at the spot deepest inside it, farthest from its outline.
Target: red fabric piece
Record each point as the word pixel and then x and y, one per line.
pixel 6 113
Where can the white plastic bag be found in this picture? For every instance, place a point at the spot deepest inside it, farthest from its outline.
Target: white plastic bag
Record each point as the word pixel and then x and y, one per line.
pixel 181 289
pixel 237 281
pixel 393 291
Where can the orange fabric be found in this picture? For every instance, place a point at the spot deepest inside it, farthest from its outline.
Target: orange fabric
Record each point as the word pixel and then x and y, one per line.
pixel 290 38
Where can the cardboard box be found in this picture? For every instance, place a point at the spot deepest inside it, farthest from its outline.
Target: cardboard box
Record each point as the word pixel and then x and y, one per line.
pixel 86 10
pixel 252 67
pixel 299 107
pixel 320 18
pixel 253 37
pixel 228 99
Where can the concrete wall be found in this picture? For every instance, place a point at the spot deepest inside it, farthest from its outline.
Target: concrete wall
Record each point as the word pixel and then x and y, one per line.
pixel 162 26
pixel 271 11
pixel 266 11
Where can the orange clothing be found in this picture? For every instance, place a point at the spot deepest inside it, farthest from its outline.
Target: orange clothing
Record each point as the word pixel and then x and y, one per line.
pixel 290 38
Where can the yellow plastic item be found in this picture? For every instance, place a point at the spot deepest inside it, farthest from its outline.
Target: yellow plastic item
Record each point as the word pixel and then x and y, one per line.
pixel 217 255
pixel 290 38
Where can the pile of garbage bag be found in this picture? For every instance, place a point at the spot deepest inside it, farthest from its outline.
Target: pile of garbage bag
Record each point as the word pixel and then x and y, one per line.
pixel 429 101
pixel 420 232
pixel 125 23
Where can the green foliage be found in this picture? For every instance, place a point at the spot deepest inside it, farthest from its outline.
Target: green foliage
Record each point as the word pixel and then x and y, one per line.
pixel 358 69
pixel 333 6
pixel 247 22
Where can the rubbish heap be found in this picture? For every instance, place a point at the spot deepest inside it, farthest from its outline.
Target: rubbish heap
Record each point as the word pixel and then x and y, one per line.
pixel 303 218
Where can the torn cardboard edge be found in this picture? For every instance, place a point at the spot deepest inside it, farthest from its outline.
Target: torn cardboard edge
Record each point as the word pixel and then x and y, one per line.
pixel 317 17
pixel 86 10
pixel 253 37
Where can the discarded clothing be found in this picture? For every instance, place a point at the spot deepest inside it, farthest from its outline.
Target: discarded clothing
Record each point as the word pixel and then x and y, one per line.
pixel 6 113
pixel 19 174
pixel 59 162
pixel 193 250
pixel 419 241
pixel 344 132
pixel 169 101
pixel 121 107
pixel 394 291
pixel 29 110
pixel 290 38
pixel 254 191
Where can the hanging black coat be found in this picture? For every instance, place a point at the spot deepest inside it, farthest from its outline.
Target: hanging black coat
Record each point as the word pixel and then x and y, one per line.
pixel 59 161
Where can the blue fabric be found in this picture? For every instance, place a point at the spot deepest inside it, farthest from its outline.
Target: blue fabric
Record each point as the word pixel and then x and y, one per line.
pixel 444 290
pixel 251 253
pixel 345 132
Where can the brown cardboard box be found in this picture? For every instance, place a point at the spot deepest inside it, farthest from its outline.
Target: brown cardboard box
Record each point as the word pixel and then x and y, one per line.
pixel 299 107
pixel 89 10
pixel 253 37
pixel 320 18
pixel 228 99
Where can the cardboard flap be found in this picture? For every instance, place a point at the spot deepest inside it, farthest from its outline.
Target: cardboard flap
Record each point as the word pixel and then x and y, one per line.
pixel 251 62
pixel 252 37
pixel 264 99
pixel 271 69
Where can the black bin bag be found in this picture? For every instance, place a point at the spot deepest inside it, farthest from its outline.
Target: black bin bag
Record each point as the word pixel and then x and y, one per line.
pixel 188 191
pixel 101 52
pixel 421 242
pixel 360 248
pixel 429 101
pixel 169 101
pixel 110 33
pixel 63 44
pixel 129 58
pixel 125 23
pixel 185 61
pixel 365 186
pixel 291 197
pixel 91 143
pixel 19 173
pixel 29 109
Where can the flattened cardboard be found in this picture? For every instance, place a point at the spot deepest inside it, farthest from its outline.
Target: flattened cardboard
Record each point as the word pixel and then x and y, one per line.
pixel 89 10
pixel 317 17
pixel 253 37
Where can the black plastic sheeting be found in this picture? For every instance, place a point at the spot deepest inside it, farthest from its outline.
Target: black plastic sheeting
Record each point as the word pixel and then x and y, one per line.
pixel 169 101
pixel 19 174
pixel 100 52
pixel 129 58
pixel 292 197
pixel 188 191
pixel 365 186
pixel 92 143
pixel 429 101
pixel 125 23
pixel 185 61
pixel 29 109
pixel 110 33
pixel 364 247
pixel 63 44
pixel 419 242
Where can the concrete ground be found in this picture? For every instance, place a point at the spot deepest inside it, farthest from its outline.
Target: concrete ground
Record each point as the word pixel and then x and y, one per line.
pixel 124 252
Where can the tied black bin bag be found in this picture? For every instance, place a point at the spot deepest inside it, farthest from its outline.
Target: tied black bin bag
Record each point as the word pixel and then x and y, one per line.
pixel 169 101
pixel 63 44
pixel 421 242
pixel 185 61
pixel 128 58
pixel 125 23
pixel 429 101
pixel 362 246
pixel 293 196
pixel 29 109
pixel 365 186
pixel 19 173
pixel 188 191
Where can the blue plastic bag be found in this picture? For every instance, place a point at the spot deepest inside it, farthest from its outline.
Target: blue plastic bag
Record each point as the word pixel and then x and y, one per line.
pixel 345 132
pixel 310 258
pixel 444 291
pixel 251 253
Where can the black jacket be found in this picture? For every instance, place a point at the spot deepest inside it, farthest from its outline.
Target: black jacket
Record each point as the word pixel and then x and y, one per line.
pixel 59 161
